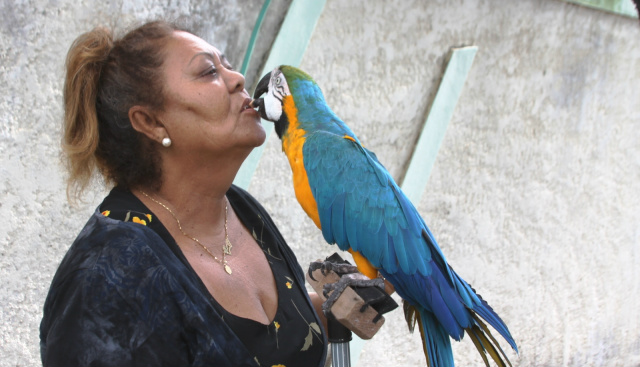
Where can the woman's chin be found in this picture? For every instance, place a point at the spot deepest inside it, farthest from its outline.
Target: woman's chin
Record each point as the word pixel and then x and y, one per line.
pixel 260 134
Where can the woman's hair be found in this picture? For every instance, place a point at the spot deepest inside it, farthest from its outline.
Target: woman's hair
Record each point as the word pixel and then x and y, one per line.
pixel 105 78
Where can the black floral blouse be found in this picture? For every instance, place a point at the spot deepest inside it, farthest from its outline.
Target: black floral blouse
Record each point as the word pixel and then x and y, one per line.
pixel 126 296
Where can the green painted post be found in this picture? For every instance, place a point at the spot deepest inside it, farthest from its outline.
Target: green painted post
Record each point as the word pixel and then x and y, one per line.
pixel 623 7
pixel 426 150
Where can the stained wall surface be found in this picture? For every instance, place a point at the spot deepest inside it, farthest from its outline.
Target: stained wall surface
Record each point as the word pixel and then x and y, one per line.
pixel 533 197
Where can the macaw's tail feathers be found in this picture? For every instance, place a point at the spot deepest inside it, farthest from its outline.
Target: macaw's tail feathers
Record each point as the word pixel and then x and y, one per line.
pixel 478 334
pixel 435 340
pixel 480 309
pixel 436 343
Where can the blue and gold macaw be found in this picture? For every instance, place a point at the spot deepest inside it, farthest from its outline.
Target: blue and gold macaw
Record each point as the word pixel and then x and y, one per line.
pixel 358 206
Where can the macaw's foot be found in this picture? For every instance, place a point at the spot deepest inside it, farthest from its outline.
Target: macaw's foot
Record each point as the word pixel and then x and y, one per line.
pixel 334 290
pixel 340 268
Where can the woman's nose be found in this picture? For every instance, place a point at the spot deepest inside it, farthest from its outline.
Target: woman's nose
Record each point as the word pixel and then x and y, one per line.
pixel 234 80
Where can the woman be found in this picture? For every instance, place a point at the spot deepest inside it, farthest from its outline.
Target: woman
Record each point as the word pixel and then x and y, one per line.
pixel 176 267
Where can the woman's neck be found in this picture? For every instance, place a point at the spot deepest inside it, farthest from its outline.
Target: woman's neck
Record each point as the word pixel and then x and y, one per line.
pixel 197 199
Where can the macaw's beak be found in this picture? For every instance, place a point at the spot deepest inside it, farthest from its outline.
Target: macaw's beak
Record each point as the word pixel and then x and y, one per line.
pixel 261 88
pixel 263 85
pixel 259 104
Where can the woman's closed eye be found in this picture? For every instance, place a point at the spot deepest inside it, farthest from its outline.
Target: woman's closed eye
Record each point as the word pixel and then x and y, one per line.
pixel 210 71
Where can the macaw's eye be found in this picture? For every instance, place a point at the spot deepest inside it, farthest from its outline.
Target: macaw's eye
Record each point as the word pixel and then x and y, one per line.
pixel 278 81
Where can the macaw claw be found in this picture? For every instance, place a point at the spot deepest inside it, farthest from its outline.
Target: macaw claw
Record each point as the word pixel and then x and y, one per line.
pixel 328 266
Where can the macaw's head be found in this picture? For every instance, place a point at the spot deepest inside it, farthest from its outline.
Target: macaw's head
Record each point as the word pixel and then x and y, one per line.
pixel 286 90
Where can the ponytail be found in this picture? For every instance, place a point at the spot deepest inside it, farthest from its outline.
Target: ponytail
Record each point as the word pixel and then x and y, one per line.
pixel 105 78
pixel 85 61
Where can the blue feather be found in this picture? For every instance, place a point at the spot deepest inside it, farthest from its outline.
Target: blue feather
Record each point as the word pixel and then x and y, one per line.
pixel 436 341
pixel 389 262
pixel 352 237
pixel 337 219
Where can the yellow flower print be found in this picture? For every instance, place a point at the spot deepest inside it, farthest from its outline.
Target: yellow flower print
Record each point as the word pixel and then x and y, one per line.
pixel 138 220
pixel 106 213
pixel 289 283
pixel 149 216
pixel 277 326
pixel 278 365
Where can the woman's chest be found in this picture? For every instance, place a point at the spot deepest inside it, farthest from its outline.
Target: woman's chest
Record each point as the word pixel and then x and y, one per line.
pixel 250 290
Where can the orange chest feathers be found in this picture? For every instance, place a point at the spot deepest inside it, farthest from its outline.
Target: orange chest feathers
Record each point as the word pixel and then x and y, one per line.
pixel 292 143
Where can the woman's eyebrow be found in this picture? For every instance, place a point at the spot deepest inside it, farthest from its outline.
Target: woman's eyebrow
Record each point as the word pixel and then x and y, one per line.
pixel 203 53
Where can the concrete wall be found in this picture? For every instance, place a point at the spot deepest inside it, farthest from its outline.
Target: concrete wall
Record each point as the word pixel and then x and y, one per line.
pixel 533 198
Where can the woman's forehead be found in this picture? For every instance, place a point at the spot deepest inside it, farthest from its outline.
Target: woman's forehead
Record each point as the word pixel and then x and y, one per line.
pixel 187 47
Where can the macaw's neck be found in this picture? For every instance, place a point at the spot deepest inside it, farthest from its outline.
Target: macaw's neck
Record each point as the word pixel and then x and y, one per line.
pixel 312 112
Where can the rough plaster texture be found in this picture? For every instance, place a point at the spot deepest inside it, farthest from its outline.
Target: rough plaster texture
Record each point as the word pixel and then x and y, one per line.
pixel 534 195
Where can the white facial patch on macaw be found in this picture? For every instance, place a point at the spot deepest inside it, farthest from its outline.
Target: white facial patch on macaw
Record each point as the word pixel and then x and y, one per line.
pixel 278 89
pixel 272 106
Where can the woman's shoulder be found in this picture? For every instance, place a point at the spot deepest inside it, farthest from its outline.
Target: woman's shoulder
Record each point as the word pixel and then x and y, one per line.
pixel 117 239
pixel 115 273
pixel 107 244
pixel 109 260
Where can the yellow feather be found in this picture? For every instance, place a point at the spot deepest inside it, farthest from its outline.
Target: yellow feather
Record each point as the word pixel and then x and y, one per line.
pixel 494 343
pixel 491 350
pixel 364 266
pixel 292 143
pixel 476 342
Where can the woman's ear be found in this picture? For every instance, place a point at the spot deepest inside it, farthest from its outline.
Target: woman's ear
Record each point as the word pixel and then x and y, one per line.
pixel 144 122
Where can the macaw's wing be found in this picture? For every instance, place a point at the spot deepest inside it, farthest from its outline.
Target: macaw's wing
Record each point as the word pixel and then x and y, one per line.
pixel 362 208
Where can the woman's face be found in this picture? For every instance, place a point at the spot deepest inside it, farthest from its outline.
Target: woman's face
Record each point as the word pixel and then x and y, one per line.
pixel 206 106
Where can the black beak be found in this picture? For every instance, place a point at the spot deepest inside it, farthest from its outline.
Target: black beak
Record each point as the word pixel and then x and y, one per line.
pixel 263 86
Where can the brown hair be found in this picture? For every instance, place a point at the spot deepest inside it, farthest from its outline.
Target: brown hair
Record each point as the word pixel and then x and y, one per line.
pixel 105 78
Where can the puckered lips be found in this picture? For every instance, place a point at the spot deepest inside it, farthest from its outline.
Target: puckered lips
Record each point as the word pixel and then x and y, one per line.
pixel 246 104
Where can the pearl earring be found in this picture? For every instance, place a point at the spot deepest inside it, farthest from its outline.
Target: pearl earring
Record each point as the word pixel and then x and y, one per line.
pixel 166 142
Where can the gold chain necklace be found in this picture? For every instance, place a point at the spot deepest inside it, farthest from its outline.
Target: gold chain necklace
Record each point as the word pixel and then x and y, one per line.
pixel 226 249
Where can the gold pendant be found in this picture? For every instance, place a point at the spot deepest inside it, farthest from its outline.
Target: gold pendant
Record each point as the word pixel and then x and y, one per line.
pixel 227 247
pixel 227 268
